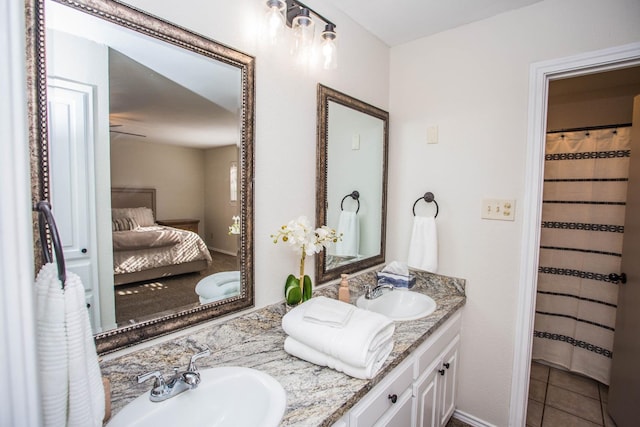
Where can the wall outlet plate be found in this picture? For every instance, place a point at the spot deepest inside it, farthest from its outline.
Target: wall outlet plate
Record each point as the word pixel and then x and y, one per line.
pixel 499 209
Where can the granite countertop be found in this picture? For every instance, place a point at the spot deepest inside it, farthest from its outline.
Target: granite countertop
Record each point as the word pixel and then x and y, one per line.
pixel 316 396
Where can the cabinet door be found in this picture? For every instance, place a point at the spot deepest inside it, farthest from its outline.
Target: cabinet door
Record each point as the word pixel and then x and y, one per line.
pixel 400 414
pixel 426 393
pixel 449 380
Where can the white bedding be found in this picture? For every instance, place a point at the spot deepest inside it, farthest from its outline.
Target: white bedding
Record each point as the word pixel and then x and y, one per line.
pixel 190 248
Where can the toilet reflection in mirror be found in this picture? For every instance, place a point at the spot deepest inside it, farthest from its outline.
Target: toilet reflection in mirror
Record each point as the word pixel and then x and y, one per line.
pixel 351 188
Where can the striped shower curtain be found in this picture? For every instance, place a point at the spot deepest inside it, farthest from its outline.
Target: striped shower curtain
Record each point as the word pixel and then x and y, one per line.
pixel 585 187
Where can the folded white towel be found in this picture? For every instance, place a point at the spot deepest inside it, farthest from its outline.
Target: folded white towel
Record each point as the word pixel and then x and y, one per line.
pixel 302 351
pixel 355 344
pixel 325 311
pixel 71 383
pixel 423 248
pixel 349 227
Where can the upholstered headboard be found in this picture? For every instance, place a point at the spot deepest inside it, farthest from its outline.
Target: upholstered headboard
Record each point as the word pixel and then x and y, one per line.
pixel 131 197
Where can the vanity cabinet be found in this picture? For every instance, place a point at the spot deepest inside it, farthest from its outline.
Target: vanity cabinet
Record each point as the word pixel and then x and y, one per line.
pixel 435 388
pixel 420 392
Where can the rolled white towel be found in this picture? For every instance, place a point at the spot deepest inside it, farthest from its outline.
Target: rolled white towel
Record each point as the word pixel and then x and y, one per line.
pixel 304 352
pixel 356 343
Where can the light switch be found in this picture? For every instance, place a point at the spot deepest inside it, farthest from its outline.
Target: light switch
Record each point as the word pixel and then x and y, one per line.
pixel 432 134
pixel 355 142
pixel 500 209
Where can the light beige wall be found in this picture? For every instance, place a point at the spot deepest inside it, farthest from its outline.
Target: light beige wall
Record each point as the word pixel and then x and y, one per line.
pixel 218 205
pixel 473 82
pixel 177 174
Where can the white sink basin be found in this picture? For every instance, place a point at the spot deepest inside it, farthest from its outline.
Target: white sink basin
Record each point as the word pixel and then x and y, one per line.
pixel 399 305
pixel 226 396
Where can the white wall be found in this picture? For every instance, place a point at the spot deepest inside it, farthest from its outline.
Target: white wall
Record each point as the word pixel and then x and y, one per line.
pixel 285 138
pixel 473 83
pixel 177 173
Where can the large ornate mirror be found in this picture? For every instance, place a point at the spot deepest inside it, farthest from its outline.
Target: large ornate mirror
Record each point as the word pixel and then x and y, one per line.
pixel 352 147
pixel 142 140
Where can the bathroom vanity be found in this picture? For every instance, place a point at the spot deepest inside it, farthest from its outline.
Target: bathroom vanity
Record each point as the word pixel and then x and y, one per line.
pixel 416 385
pixel 418 392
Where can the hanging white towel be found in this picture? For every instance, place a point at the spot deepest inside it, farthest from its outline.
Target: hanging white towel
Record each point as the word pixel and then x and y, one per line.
pixel 349 227
pixel 423 247
pixel 72 390
pixel 52 353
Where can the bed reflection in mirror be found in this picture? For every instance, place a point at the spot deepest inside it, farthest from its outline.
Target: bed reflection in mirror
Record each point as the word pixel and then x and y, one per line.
pixel 145 141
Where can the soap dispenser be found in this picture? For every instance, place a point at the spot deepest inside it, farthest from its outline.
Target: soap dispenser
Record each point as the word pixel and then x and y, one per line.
pixel 343 292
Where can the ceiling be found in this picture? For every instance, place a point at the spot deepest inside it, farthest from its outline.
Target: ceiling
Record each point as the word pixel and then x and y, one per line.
pixel 401 21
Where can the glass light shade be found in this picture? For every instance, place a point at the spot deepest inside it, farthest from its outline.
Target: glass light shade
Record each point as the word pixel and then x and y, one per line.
pixel 274 21
pixel 303 31
pixel 329 48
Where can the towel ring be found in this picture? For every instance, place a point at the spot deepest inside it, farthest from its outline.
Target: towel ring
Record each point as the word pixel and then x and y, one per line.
pixel 355 195
pixel 428 197
pixel 45 218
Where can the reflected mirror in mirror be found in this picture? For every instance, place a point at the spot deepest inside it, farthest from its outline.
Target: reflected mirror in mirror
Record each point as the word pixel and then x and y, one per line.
pixel 351 195
pixel 145 147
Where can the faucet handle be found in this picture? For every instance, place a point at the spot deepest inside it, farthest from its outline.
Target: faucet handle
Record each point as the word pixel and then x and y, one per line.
pixel 159 382
pixel 367 291
pixel 192 363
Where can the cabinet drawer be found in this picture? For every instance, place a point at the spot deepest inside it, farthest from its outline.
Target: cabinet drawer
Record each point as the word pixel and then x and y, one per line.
pixel 377 401
pixel 436 344
pixel 400 415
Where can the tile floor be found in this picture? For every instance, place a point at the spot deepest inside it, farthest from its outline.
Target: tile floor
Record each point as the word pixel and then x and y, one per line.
pixel 562 399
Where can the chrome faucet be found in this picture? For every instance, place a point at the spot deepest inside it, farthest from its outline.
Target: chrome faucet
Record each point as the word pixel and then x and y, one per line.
pixel 373 292
pixel 179 382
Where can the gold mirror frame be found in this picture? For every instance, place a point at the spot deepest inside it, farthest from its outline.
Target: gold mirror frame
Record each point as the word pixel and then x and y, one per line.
pixel 325 95
pixel 165 31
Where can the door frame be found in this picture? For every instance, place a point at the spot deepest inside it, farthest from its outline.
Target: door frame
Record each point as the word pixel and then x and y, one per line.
pixel 540 74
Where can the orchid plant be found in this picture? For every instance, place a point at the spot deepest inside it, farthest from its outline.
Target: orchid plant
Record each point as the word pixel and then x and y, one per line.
pixel 301 236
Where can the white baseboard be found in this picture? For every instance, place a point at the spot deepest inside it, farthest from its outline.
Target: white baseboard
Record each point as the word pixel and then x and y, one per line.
pixel 470 419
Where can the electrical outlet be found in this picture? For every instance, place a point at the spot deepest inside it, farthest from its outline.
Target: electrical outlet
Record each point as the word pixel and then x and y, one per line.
pixel 500 209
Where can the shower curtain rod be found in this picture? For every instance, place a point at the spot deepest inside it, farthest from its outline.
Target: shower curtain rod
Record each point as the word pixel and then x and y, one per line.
pixel 621 125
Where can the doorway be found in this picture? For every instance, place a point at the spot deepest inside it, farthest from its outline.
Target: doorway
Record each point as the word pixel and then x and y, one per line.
pixel 541 75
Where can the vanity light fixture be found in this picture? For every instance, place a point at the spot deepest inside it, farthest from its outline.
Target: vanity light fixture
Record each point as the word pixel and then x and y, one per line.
pixel 301 19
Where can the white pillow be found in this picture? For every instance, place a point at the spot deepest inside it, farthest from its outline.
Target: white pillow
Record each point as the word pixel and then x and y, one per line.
pixel 142 216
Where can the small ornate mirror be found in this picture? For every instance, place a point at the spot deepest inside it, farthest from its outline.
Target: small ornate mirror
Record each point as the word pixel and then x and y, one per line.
pixel 138 123
pixel 351 195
